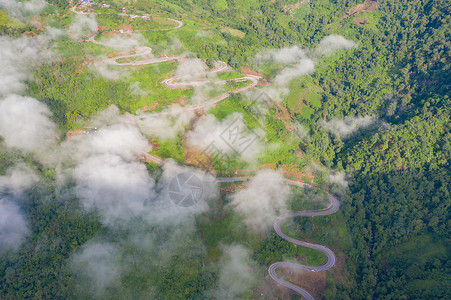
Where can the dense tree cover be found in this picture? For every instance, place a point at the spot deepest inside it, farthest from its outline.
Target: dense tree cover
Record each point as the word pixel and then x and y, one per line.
pixel 398 203
pixel 39 269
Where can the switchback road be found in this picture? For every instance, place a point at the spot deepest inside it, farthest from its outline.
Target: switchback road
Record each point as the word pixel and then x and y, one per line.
pixel 183 82
pixel 272 270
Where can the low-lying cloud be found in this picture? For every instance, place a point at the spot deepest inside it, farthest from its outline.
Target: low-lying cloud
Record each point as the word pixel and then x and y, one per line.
pixel 25 124
pixel 225 138
pixel 13 227
pixel 13 224
pixel 338 178
pixel 285 56
pixel 83 25
pixel 18 57
pixel 165 126
pixel 22 10
pixel 190 70
pixel 121 42
pixel 332 43
pixel 109 177
pixel 297 62
pixel 107 71
pixel 343 128
pixel 97 265
pixel 263 199
pixel 237 274
pixel 117 189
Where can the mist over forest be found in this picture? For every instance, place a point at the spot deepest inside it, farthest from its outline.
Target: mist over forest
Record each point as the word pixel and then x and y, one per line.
pixel 224 149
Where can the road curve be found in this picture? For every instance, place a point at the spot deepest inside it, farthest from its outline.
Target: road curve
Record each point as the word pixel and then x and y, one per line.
pixel 179 23
pixel 272 270
pixel 177 82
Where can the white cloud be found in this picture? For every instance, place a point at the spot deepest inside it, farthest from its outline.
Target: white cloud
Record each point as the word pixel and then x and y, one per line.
pixel 25 124
pixel 82 25
pixel 13 226
pixel 108 72
pixel 344 127
pixel 332 43
pixel 165 126
pixel 18 56
pixel 97 264
pixel 229 137
pixel 263 199
pixel 236 272
pixel 22 9
pixel 122 43
pixel 338 178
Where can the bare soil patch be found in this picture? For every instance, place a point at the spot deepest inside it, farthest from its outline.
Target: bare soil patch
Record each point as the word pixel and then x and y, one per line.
pixel 248 71
pixel 150 107
pixel 367 6
pixel 313 282
pixel 292 7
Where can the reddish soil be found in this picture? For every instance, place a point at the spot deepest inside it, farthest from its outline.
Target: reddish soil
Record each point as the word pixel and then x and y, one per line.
pixel 262 83
pixel 284 116
pixel 367 6
pixel 114 54
pixel 293 7
pixel 180 101
pixel 247 71
pixel 313 282
pixel 154 144
pixel 71 133
pixel 291 172
pixel 110 33
pixel 197 157
pixel 150 107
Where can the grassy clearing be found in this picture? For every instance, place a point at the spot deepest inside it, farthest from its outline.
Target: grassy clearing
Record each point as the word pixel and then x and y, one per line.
pixel 305 200
pixel 302 11
pixel 235 32
pixel 9 21
pixel 373 18
pixel 230 74
pixel 171 149
pixel 328 230
pixel 304 97
pixel 149 79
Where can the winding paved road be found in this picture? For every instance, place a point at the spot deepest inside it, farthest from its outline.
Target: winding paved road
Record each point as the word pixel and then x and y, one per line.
pixel 272 270
pixel 181 82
